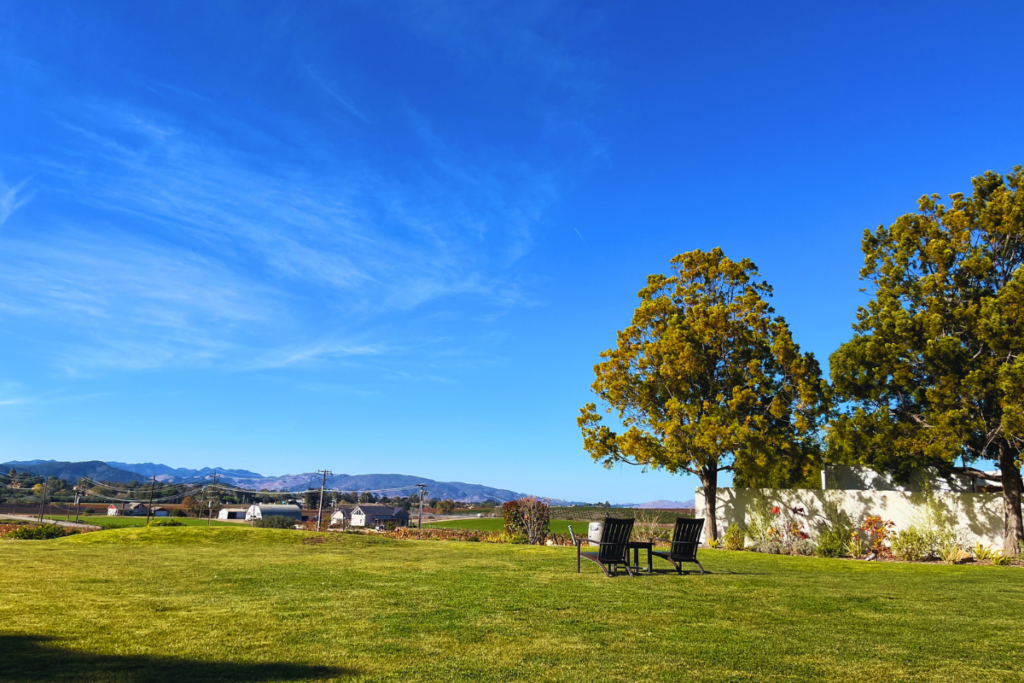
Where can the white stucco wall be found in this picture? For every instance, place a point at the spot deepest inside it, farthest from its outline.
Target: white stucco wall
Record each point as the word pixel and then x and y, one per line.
pixel 978 515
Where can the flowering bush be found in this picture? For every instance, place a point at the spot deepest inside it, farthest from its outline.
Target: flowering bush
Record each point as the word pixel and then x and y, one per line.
pixel 878 532
pixel 772 532
pixel 40 533
pixel 6 529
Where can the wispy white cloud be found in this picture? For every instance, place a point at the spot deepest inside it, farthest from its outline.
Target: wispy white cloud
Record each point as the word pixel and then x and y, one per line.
pixel 333 92
pixel 321 351
pixel 192 247
pixel 10 201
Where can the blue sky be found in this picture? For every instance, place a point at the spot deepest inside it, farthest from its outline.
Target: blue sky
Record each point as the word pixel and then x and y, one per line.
pixel 394 237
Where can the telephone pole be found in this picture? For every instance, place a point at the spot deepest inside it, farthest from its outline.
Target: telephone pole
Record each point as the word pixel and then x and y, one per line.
pixel 42 502
pixel 149 508
pixel 419 523
pixel 78 505
pixel 209 503
pixel 320 511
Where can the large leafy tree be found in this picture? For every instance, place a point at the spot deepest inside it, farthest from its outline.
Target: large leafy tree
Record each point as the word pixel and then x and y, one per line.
pixel 707 380
pixel 934 370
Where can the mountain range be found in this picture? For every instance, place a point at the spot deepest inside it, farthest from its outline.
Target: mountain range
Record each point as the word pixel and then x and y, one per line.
pixel 663 505
pixel 389 484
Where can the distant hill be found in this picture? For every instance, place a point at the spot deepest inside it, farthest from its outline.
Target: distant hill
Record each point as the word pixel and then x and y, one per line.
pixel 73 471
pixel 176 474
pixel 391 484
pixel 663 505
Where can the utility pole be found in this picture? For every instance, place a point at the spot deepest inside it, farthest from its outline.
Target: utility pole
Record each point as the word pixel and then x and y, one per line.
pixel 419 523
pixel 320 511
pixel 42 503
pixel 149 508
pixel 78 505
pixel 209 522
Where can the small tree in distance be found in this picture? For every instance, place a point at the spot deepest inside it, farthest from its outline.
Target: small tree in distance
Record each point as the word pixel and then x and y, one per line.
pixel 706 380
pixel 527 518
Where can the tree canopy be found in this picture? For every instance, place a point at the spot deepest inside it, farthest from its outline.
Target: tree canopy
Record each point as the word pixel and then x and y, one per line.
pixel 934 370
pixel 706 379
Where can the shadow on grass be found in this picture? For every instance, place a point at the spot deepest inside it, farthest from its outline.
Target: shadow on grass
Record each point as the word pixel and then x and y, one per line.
pixel 31 658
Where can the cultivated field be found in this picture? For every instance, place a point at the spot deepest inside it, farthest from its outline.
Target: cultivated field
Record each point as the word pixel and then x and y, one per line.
pixel 240 604
pixel 497 524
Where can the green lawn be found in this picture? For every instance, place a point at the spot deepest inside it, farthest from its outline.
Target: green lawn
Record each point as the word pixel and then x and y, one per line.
pixel 108 522
pixel 242 605
pixel 558 526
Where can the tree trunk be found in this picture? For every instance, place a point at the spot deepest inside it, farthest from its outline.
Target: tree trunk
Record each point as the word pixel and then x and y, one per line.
pixel 1013 529
pixel 709 478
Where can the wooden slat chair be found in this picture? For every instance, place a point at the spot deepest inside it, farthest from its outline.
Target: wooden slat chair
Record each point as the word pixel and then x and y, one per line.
pixel 685 540
pixel 612 550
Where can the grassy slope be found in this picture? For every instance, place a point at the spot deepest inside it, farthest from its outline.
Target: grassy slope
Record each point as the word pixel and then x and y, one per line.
pixel 241 604
pixel 110 522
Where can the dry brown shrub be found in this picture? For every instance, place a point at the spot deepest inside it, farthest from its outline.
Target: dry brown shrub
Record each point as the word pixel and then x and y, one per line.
pixel 646 527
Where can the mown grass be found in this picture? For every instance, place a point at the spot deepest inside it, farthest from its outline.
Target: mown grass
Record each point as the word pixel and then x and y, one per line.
pixel 497 524
pixel 241 604
pixel 111 522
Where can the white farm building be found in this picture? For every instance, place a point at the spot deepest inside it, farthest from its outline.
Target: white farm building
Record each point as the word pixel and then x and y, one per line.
pixel 260 511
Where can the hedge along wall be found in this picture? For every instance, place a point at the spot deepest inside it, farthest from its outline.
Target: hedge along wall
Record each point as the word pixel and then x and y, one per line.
pixel 978 515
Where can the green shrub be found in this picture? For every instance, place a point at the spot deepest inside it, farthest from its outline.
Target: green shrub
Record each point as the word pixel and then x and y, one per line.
pixel 953 552
pixel 40 533
pixel 911 545
pixel 166 522
pixel 735 537
pixel 982 552
pixel 761 528
pixel 1001 560
pixel 276 522
pixel 178 512
pixel 837 532
pixel 802 546
pixel 833 542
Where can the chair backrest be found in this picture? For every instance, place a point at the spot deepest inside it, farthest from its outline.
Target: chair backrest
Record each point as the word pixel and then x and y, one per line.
pixel 685 539
pixel 614 537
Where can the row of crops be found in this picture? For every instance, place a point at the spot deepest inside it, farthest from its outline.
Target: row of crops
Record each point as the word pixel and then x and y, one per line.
pixel 596 514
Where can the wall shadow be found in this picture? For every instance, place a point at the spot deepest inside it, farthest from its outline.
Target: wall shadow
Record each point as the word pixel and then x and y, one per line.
pixel 32 658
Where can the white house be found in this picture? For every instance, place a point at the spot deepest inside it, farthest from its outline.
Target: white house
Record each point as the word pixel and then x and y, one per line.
pixel 259 511
pixel 231 513
pixel 375 515
pixel 127 509
pixel 342 516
